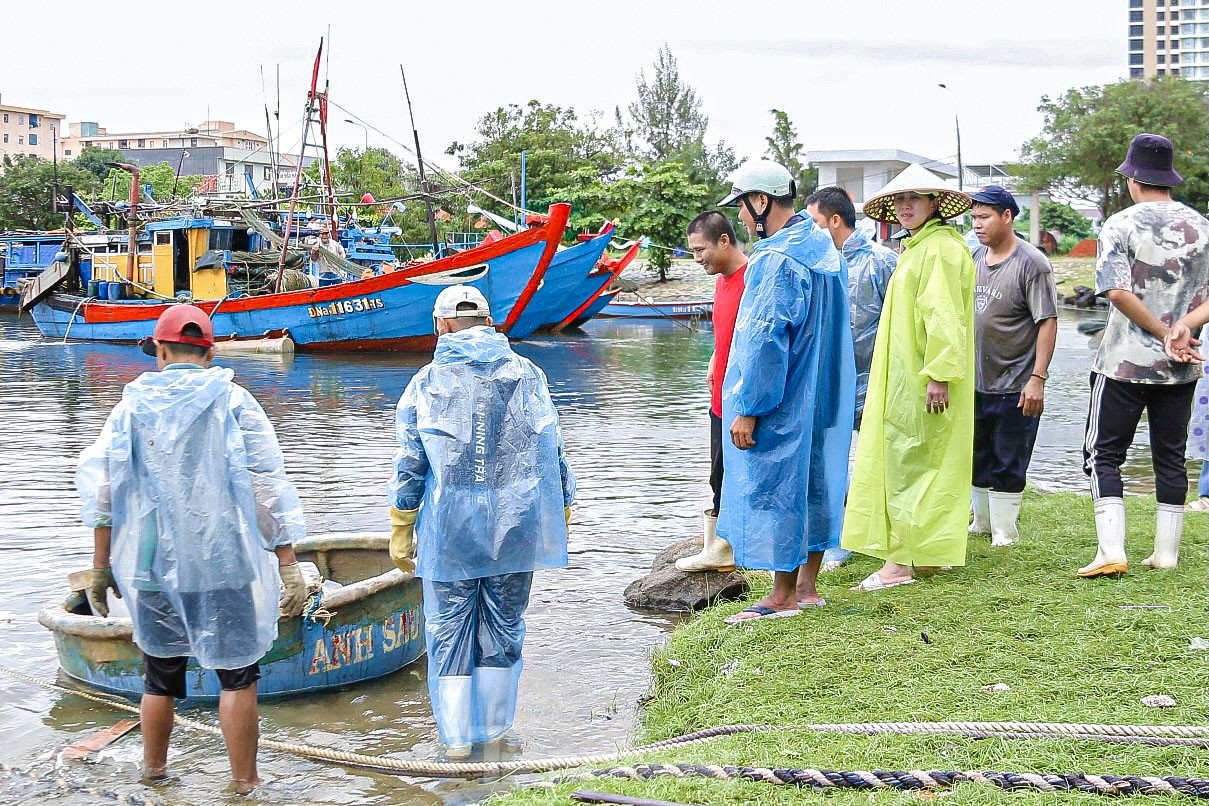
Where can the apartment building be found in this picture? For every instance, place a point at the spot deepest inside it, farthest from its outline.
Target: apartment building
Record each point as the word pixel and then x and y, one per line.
pixel 1169 38
pixel 210 134
pixel 25 130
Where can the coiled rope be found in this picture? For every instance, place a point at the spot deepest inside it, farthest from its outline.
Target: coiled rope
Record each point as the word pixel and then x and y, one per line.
pixel 1195 736
pixel 913 779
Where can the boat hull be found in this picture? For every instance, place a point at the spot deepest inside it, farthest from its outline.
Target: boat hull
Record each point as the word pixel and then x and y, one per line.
pixel 559 293
pixel 386 312
pixel 377 628
pixel 679 309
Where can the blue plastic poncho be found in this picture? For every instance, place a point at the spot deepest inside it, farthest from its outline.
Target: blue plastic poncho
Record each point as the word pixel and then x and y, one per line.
pixel 481 456
pixel 870 266
pixel 189 473
pixel 791 367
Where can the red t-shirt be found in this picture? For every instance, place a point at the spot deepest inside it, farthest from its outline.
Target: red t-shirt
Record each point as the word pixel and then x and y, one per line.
pixel 727 293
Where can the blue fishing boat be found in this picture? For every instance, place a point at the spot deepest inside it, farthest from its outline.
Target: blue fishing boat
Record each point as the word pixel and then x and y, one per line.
pixel 391 311
pixel 660 309
pixel 366 623
pixel 23 256
pixel 593 293
pixel 560 290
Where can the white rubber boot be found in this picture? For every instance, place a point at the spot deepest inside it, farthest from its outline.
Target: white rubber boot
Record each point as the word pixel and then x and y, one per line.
pixel 1168 529
pixel 1110 540
pixel 454 714
pixel 980 506
pixel 496 692
pixel 715 555
pixel 1005 510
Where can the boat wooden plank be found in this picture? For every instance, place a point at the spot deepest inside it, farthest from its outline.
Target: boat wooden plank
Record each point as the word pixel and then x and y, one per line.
pixel 43 284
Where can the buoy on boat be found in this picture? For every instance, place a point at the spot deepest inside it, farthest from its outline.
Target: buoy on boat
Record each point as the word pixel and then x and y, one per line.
pixel 281 346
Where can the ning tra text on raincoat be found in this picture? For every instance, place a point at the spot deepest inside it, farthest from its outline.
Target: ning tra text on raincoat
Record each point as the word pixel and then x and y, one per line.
pixel 909 499
pixel 189 472
pixel 791 367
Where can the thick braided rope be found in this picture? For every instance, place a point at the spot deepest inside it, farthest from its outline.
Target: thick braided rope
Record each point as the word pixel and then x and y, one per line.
pixel 1196 736
pixel 64 784
pixel 913 779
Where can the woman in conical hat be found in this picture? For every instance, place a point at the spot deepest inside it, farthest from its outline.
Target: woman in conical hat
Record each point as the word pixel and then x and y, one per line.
pixel 908 503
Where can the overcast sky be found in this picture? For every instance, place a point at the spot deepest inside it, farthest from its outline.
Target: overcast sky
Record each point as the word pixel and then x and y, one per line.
pixel 851 74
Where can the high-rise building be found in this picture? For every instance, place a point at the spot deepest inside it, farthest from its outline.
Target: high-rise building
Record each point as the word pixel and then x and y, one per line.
pixel 1169 38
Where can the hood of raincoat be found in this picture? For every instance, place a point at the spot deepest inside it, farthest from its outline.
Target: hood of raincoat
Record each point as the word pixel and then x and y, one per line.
pixel 176 396
pixel 478 345
pixel 806 244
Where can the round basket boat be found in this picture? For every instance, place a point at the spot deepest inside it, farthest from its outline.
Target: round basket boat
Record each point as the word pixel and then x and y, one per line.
pixel 370 626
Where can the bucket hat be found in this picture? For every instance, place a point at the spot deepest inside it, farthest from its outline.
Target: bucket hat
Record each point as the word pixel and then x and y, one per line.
pixel 918 179
pixel 1151 161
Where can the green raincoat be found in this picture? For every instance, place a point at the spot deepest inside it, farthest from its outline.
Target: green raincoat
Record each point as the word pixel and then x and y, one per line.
pixel 909 501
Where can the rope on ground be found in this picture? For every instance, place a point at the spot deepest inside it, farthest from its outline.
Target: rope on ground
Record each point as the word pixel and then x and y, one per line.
pixel 913 779
pixel 1196 736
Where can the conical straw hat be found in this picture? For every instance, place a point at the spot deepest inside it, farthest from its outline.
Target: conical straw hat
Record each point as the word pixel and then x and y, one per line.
pixel 919 179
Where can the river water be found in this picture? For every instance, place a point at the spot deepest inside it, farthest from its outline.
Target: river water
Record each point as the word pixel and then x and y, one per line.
pixel 634 415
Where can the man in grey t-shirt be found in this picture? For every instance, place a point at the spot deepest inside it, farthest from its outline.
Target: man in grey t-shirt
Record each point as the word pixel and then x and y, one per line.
pixel 1015 325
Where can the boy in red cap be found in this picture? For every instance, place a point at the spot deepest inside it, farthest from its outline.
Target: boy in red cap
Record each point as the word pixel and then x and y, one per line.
pixel 186 492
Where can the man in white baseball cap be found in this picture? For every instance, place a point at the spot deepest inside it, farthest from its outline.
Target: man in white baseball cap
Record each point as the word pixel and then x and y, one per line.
pixel 480 498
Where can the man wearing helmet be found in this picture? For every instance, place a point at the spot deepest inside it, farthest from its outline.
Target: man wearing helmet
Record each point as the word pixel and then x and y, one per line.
pixel 788 396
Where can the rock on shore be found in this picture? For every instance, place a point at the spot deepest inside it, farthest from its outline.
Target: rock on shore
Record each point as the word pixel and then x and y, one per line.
pixel 666 588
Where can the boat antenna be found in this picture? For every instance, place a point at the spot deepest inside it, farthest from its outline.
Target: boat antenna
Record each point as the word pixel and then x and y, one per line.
pixel 432 222
pixel 308 114
pixel 268 122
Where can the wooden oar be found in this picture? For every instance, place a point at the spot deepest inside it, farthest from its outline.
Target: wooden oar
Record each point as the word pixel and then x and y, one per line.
pixel 96 742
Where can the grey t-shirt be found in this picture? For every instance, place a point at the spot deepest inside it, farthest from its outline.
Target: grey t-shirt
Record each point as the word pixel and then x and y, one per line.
pixel 1011 300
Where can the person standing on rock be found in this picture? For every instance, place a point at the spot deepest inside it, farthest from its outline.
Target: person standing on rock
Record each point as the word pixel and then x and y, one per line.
pixel 869 268
pixel 712 241
pixel 1015 327
pixel 787 396
pixel 907 504
pixel 1153 266
pixel 481 497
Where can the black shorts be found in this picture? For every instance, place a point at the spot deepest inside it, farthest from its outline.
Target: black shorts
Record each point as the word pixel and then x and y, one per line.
pixel 165 677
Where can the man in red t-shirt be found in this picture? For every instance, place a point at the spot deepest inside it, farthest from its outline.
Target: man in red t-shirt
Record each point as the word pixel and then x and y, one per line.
pixel 712 240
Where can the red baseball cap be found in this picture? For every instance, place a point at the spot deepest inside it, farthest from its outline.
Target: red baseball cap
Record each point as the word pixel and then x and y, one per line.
pixel 171 325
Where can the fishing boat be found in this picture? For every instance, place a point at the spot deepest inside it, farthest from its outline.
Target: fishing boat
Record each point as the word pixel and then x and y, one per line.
pixel 390 311
pixel 594 292
pixel 367 623
pixel 660 309
pixel 22 256
pixel 560 290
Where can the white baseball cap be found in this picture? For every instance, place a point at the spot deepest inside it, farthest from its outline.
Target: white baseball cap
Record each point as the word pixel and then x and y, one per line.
pixel 448 301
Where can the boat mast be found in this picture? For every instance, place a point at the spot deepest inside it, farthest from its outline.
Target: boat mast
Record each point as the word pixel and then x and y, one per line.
pixel 306 126
pixel 432 222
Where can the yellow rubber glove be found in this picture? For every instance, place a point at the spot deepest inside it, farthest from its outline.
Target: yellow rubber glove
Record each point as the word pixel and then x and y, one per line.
pixel 98 590
pixel 293 593
pixel 567 515
pixel 403 539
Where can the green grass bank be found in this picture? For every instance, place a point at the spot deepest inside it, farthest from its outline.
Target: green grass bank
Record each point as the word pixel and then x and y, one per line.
pixel 1071 650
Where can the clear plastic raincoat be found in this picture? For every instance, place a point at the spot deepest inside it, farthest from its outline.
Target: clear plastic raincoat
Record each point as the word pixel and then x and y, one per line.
pixel 188 471
pixel 869 268
pixel 909 500
pixel 791 367
pixel 481 455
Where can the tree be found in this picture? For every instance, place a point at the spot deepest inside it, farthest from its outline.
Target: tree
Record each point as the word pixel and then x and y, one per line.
pixel 656 200
pixel 93 161
pixel 784 149
pixel 25 192
pixel 556 145
pixel 1087 132
pixel 160 177
pixel 1065 219
pixel 667 116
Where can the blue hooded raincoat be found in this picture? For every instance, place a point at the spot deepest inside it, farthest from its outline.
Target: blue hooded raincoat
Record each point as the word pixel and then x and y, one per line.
pixel 481 455
pixel 869 268
pixel 188 472
pixel 791 366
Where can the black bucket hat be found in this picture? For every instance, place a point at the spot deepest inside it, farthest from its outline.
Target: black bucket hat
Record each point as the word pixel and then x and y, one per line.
pixel 1151 161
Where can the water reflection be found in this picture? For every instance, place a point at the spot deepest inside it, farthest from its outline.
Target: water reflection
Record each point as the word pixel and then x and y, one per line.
pixel 633 405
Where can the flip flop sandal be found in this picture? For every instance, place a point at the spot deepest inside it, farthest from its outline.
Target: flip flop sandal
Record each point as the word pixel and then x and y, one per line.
pixel 873 582
pixel 1199 505
pixel 807 605
pixel 761 612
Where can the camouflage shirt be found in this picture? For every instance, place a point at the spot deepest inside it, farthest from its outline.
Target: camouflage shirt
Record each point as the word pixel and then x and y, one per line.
pixel 1160 252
